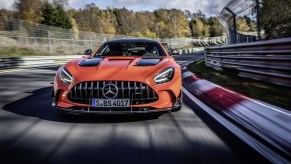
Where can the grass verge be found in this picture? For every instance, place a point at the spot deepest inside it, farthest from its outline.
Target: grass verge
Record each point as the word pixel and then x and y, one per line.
pixel 22 51
pixel 18 52
pixel 267 92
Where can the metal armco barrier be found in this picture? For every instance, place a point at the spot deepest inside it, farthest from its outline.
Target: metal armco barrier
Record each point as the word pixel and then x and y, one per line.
pixel 34 61
pixel 267 122
pixel 265 60
pixel 191 50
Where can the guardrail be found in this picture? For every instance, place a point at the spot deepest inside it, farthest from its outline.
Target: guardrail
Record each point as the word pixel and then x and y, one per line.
pixel 34 61
pixel 268 124
pixel 240 38
pixel 265 60
pixel 191 50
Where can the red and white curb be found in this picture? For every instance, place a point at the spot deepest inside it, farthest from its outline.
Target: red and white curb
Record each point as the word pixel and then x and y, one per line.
pixel 270 123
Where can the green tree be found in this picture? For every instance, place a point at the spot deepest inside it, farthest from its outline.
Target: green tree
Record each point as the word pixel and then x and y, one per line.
pixel 55 15
pixel 275 18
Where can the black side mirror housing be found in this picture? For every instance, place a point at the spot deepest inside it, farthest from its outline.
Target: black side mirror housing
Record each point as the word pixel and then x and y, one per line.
pixel 88 52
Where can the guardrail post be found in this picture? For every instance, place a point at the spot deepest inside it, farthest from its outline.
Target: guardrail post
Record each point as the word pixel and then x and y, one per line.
pixel 258 19
pixel 50 42
pixel 90 40
pixel 234 25
pixel 72 39
pixel 35 41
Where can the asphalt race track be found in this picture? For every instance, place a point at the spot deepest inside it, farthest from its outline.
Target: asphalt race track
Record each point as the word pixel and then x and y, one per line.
pixel 33 132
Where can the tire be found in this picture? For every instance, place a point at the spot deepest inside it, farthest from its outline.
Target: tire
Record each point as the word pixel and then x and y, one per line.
pixel 177 109
pixel 180 99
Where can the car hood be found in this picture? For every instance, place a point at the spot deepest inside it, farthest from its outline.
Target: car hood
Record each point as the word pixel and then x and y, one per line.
pixel 117 68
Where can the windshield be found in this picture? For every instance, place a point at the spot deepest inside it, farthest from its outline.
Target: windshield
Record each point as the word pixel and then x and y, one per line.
pixel 130 49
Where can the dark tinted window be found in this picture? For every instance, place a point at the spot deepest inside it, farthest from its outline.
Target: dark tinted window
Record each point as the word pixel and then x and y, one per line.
pixel 130 49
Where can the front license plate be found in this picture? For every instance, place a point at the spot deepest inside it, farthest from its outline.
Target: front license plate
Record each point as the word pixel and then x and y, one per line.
pixel 113 103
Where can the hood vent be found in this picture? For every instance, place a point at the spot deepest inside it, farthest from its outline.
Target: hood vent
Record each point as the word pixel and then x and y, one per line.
pixel 148 62
pixel 90 62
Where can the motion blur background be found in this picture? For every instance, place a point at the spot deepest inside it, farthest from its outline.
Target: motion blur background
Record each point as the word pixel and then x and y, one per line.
pixel 58 27
pixel 242 45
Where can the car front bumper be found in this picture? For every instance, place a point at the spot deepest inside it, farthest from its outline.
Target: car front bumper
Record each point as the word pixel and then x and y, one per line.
pixel 89 111
pixel 76 110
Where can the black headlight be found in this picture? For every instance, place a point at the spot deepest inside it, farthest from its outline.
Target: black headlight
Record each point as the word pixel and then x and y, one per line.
pixel 164 76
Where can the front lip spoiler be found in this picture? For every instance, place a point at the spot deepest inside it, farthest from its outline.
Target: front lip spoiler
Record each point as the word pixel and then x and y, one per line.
pixel 88 112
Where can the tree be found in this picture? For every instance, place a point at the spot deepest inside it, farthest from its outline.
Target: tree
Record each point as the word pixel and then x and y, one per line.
pixel 145 24
pixel 63 3
pixel 199 14
pixel 251 23
pixel 88 19
pixel 75 28
pixel 6 13
pixel 206 31
pixel 109 20
pixel 215 28
pixel 29 10
pixel 197 27
pixel 55 15
pixel 242 25
pixel 188 14
pixel 172 23
pixel 162 23
pixel 126 22
pixel 275 18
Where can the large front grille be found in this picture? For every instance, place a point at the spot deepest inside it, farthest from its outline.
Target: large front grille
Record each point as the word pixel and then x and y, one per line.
pixel 137 92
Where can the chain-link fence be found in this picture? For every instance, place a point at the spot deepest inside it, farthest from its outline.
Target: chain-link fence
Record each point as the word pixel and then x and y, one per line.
pixel 15 33
pixel 201 42
pixel 241 12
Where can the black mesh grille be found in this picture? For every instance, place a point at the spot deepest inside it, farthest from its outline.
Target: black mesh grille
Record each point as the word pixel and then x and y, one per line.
pixel 137 92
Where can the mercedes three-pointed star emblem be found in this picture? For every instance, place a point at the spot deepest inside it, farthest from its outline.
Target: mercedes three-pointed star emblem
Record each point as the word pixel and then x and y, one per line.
pixel 110 91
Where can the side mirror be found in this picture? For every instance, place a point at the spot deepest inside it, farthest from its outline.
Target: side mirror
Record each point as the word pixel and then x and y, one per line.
pixel 88 52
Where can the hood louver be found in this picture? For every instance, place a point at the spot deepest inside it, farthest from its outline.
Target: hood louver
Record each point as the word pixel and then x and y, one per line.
pixel 90 62
pixel 147 62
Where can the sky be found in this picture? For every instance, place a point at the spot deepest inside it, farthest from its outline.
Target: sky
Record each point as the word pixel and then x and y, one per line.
pixel 209 7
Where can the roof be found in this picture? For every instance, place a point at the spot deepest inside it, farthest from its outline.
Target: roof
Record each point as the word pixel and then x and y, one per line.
pixel 132 40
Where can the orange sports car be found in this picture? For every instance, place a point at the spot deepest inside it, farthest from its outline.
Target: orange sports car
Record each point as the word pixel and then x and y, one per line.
pixel 124 76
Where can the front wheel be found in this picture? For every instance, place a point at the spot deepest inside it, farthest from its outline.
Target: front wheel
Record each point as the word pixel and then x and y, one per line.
pixel 178 104
pixel 176 109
